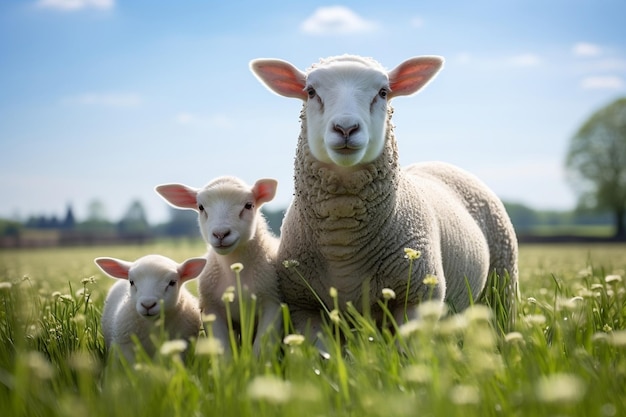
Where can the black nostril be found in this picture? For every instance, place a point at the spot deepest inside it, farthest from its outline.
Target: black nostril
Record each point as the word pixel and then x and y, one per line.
pixel 345 131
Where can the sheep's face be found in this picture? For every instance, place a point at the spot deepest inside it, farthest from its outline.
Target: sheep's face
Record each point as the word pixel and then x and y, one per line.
pixel 227 208
pixel 346 113
pixel 226 217
pixel 346 100
pixel 154 281
pixel 153 287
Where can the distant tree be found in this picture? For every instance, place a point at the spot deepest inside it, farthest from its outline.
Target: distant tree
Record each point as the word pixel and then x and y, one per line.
pixel 181 223
pixel 134 221
pixel 596 163
pixel 70 221
pixel 97 221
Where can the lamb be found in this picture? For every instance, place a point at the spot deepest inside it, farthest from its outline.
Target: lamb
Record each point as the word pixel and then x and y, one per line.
pixel 151 286
pixel 354 209
pixel 235 232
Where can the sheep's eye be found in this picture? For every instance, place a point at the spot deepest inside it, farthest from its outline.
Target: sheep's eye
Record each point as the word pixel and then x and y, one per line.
pixel 201 207
pixel 172 283
pixel 132 283
pixel 383 93
pixel 311 92
pixel 249 206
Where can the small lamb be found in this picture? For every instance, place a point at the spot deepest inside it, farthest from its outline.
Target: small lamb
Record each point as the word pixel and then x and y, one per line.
pixel 133 305
pixel 235 232
pixel 355 209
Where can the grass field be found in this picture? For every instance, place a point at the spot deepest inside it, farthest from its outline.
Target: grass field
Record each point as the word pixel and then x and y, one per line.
pixel 566 357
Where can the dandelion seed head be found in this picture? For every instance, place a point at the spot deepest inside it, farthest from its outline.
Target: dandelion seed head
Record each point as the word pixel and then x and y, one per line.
pixel 209 318
pixel 89 280
pixel 514 337
pixel 560 388
pixel 613 279
pixel 333 292
pixel 39 365
pixel 431 310
pixel 410 327
pixel 237 267
pixel 531 300
pixel 430 280
pixel 5 286
pixel 478 313
pixel 172 347
pixel 535 319
pixel 291 263
pixel 228 296
pixel 412 254
pixel 389 294
pixel 209 346
pixel 464 394
pixel 418 374
pixel 618 338
pixel 270 389
pixel 293 339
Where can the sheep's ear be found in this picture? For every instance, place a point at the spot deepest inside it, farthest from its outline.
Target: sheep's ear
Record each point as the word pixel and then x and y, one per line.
pixel 191 268
pixel 116 268
pixel 280 77
pixel 413 74
pixel 264 190
pixel 179 195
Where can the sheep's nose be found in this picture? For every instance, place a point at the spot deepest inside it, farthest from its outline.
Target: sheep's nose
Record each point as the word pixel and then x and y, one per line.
pixel 345 131
pixel 148 305
pixel 221 234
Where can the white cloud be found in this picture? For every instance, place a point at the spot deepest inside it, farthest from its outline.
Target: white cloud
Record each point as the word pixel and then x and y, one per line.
pixel 106 99
pixel 605 82
pixel 333 20
pixel 586 49
pixel 417 22
pixel 72 5
pixel 525 60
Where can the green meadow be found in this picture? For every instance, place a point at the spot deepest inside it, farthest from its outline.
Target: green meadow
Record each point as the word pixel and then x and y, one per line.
pixel 565 357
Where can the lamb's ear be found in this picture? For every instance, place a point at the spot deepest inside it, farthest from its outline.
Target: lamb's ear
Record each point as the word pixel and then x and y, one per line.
pixel 413 74
pixel 264 190
pixel 191 268
pixel 116 268
pixel 280 77
pixel 179 195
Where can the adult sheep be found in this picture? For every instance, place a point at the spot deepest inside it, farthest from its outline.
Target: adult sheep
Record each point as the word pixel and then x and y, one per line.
pixel 150 287
pixel 235 231
pixel 355 210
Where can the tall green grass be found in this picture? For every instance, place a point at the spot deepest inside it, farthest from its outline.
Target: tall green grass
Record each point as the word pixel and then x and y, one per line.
pixel 565 357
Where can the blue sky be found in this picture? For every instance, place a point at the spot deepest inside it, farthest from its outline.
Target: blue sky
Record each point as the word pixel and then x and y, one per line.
pixel 105 99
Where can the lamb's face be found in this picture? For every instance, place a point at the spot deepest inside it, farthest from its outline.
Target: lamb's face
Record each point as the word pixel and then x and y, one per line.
pixel 152 283
pixel 346 112
pixel 226 217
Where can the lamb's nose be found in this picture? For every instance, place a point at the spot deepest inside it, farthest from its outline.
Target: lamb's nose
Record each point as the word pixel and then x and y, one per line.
pixel 345 131
pixel 148 305
pixel 221 234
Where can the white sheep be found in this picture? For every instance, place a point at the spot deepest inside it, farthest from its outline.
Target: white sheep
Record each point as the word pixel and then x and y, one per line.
pixel 151 286
pixel 355 210
pixel 235 232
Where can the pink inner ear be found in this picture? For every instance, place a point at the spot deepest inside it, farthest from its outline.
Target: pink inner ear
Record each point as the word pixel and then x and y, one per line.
pixel 413 74
pixel 191 268
pixel 113 267
pixel 281 77
pixel 264 190
pixel 179 195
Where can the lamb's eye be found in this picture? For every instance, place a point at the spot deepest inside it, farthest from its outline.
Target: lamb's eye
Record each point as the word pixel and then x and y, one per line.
pixel 249 206
pixel 132 283
pixel 311 92
pixel 201 207
pixel 383 93
pixel 172 283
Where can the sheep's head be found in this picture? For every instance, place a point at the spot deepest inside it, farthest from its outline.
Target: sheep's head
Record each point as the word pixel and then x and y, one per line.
pixel 346 100
pixel 227 208
pixel 152 279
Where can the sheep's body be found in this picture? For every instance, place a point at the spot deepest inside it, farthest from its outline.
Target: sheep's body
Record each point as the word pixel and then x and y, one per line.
pixel 133 309
pixel 355 209
pixel 234 238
